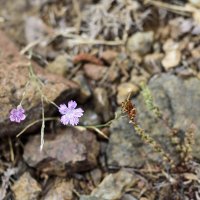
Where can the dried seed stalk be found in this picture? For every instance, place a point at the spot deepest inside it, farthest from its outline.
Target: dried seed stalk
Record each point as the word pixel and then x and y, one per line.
pixel 130 109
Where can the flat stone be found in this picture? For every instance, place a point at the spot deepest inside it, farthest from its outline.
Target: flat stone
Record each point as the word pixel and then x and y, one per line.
pixel 26 188
pixel 179 100
pixel 170 45
pixel 94 72
pixel 60 189
pixel 114 185
pixel 171 59
pixel 109 56
pixel 128 197
pixel 69 149
pixel 124 89
pixel 88 197
pixel 14 75
pixel 125 147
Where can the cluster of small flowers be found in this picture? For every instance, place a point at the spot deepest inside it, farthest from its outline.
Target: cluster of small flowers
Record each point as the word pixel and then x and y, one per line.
pixel 70 114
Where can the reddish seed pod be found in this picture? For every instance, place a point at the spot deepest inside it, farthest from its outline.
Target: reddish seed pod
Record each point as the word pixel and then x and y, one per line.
pixel 129 108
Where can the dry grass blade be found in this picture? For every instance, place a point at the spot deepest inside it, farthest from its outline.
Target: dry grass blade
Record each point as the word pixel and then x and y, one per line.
pixel 97 130
pixel 173 8
pixel 35 122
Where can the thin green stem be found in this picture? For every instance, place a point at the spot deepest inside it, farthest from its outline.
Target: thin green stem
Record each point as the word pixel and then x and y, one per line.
pixel 35 122
pixel 23 95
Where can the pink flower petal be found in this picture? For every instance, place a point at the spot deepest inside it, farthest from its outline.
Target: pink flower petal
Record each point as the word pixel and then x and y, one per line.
pixel 72 104
pixel 17 115
pixel 63 109
pixel 70 114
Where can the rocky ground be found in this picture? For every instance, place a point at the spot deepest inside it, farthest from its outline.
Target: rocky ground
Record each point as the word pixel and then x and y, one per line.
pixel 97 52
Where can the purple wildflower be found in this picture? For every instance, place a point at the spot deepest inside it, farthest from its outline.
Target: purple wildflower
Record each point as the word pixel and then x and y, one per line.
pixel 70 113
pixel 17 114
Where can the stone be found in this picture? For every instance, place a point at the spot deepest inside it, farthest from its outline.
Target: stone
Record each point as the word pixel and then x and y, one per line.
pixel 185 72
pixel 35 29
pixel 140 42
pixel 180 26
pixel 139 77
pixel 14 74
pixel 60 189
pixel 113 185
pixel 88 197
pixel 94 72
pixel 59 66
pixel 136 58
pixel 113 73
pixel 70 149
pixel 102 104
pixel 195 3
pixel 109 56
pixel 196 29
pixel 152 62
pixel 172 56
pixel 170 45
pixel 124 89
pixel 85 91
pixel 125 148
pixel 128 197
pixel 90 117
pixel 171 59
pixel 96 175
pixel 179 100
pixel 26 188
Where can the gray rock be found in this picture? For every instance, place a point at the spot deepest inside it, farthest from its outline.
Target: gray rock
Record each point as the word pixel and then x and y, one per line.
pixel 35 29
pixel 179 101
pixel 125 147
pixel 96 176
pixel 88 197
pixel 69 149
pixel 114 185
pixel 90 118
pixel 128 197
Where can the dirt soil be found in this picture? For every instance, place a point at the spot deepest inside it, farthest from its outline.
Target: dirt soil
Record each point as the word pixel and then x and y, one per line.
pixel 101 53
